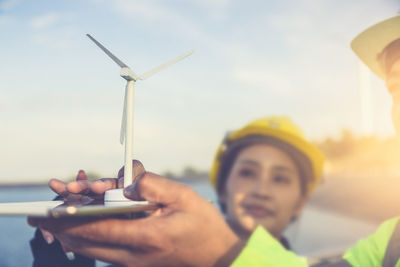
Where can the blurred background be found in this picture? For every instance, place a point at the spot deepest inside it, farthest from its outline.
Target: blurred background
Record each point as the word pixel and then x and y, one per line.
pixel 61 100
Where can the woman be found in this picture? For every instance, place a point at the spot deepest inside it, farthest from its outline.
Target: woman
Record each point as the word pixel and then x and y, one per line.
pixel 263 174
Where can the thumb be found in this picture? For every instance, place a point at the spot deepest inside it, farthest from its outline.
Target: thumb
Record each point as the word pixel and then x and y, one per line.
pixel 156 189
pixel 137 171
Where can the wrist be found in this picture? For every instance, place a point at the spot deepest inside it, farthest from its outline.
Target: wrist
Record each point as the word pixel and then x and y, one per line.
pixel 231 254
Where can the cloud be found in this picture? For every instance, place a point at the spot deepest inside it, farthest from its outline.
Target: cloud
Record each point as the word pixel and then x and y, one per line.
pixel 147 10
pixel 213 3
pixel 155 11
pixel 217 9
pixel 45 20
pixel 64 38
pixel 6 20
pixel 53 30
pixel 166 18
pixel 261 77
pixel 7 4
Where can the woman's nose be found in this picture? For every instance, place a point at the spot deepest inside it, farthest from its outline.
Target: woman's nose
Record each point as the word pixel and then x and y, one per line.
pixel 262 188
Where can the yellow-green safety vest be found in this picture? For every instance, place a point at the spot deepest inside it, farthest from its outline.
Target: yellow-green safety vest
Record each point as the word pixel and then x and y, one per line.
pixel 379 249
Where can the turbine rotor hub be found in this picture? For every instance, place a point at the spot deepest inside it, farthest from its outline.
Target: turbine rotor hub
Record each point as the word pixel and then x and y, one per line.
pixel 128 74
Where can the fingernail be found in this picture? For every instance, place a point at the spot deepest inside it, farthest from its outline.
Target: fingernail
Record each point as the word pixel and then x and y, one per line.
pixel 127 192
pixel 49 239
pixel 70 255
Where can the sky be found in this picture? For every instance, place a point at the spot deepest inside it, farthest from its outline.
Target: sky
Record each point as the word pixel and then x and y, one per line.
pixel 61 97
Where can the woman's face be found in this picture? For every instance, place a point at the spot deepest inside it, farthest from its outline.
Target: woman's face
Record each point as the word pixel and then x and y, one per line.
pixel 263 188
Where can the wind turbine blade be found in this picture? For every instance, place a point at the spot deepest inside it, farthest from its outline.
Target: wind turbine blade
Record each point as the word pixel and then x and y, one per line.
pixel 114 58
pixel 165 65
pixel 123 122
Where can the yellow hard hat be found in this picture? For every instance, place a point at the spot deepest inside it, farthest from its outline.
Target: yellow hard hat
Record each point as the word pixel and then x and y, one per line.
pixel 281 128
pixel 370 43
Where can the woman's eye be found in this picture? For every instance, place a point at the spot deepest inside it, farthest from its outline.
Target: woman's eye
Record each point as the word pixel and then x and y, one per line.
pixel 247 173
pixel 282 179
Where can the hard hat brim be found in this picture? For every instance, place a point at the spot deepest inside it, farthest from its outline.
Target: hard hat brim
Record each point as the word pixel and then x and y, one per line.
pixel 371 42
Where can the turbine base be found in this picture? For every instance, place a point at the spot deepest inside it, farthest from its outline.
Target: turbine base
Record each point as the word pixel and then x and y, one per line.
pixel 115 197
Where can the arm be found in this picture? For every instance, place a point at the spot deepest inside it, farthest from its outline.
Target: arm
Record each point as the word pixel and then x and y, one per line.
pixel 185 230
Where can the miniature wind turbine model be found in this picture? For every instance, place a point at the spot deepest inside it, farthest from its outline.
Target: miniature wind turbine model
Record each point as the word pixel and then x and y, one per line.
pixel 126 134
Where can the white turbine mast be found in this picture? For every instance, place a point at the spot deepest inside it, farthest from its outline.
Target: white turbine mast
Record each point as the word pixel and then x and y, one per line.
pixel 126 134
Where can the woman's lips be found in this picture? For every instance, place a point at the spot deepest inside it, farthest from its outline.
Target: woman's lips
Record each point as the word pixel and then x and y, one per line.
pixel 258 210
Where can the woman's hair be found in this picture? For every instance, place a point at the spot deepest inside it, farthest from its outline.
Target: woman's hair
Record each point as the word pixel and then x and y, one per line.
pixel 234 148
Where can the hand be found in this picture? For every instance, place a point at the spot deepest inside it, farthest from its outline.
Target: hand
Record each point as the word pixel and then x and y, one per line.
pixel 83 188
pixel 185 230
pixel 60 188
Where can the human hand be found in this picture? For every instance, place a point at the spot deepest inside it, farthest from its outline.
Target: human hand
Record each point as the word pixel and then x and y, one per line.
pixel 185 230
pixel 82 188
pixel 60 188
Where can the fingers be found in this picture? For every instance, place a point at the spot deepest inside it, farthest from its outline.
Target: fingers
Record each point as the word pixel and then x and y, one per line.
pixel 89 230
pixel 110 240
pixel 55 226
pixel 32 221
pixel 155 188
pixel 121 172
pixel 137 170
pixel 79 187
pixel 61 188
pixel 65 248
pixel 112 254
pixel 104 184
pixel 47 236
pixel 58 186
pixel 81 175
pixel 86 187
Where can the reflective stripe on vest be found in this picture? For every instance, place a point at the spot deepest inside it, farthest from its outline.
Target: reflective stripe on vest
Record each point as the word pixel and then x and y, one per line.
pixel 392 254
